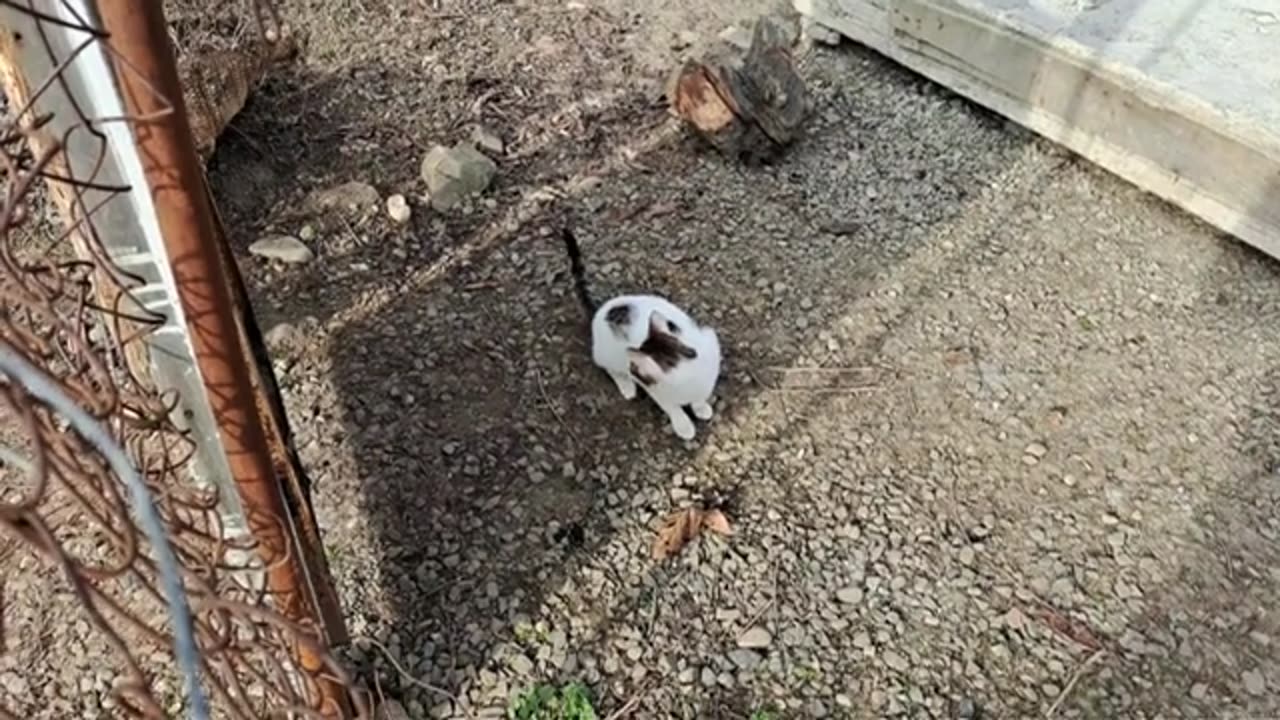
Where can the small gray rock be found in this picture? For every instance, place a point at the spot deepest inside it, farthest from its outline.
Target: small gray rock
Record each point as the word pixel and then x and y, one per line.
pixel 281 337
pixel 349 195
pixel 392 710
pixel 1254 683
pixel 520 664
pixel 745 659
pixel 895 661
pixel 849 595
pixel 487 140
pixel 757 638
pixel 454 174
pixel 285 248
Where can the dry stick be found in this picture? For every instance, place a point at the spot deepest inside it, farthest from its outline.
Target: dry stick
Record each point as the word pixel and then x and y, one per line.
pixel 626 709
pixel 1071 684
pixel 755 617
pixel 542 387
pixel 420 683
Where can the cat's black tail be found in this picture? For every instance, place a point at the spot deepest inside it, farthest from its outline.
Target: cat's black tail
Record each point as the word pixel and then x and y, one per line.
pixel 578 270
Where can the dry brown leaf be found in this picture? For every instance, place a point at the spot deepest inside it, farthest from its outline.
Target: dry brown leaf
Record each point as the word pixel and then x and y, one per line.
pixel 682 526
pixel 716 522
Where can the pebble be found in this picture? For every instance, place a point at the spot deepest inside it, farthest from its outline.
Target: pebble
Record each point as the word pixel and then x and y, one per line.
pixel 1199 691
pixel 488 140
pixel 398 209
pixel 1254 683
pixel 281 337
pixel 895 661
pixel 391 710
pixel 285 248
pixel 756 638
pixel 350 195
pixel 520 664
pixel 849 595
pixel 745 659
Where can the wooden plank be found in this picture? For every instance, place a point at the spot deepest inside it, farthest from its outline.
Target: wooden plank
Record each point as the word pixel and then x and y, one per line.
pixel 1219 160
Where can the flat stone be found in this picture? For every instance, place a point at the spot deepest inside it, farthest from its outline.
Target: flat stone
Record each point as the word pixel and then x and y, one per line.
pixel 895 661
pixel 756 638
pixel 850 595
pixel 1254 683
pixel 285 248
pixel 745 659
pixel 349 195
pixel 488 140
pixel 392 710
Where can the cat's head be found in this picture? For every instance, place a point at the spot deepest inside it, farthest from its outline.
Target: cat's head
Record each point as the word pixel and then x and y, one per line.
pixel 662 350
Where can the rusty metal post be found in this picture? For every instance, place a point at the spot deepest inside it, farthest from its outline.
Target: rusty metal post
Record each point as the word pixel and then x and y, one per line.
pixel 147 77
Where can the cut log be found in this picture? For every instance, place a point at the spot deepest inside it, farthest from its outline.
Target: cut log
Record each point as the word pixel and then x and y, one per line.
pixel 217 82
pixel 749 105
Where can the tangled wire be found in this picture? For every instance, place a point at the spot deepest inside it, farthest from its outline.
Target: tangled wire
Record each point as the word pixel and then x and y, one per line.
pixel 98 478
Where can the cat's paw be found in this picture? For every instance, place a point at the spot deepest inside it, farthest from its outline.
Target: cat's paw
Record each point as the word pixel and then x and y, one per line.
pixel 627 387
pixel 683 427
pixel 703 410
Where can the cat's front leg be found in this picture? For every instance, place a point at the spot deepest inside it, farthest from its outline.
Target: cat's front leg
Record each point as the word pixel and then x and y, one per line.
pixel 680 421
pixel 702 410
pixel 626 385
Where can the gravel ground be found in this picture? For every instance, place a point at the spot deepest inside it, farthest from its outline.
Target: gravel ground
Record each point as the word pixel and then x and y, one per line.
pixel 997 432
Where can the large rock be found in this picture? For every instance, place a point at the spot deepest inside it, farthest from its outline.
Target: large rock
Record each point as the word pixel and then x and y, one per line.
pixel 453 174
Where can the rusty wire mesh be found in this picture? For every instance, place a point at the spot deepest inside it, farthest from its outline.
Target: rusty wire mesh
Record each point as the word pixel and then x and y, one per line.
pixel 84 629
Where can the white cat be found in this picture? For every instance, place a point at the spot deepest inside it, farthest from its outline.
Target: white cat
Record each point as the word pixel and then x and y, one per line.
pixel 648 341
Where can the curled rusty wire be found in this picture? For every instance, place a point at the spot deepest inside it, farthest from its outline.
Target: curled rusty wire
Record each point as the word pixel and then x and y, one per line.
pixel 64 517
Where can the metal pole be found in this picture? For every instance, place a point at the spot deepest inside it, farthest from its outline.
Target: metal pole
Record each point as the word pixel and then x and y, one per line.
pixel 148 81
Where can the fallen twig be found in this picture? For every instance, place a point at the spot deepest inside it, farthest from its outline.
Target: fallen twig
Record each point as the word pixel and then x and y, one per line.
pixel 1071 683
pixel 628 707
pixel 410 678
pixel 542 388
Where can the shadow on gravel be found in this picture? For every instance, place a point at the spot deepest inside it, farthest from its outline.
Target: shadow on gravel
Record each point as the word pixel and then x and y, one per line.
pixel 492 460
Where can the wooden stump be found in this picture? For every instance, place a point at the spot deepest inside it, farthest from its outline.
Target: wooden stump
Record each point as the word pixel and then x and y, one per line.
pixel 749 105
pixel 217 82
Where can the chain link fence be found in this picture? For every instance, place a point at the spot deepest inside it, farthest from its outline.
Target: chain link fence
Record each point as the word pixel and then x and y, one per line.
pixel 94 302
